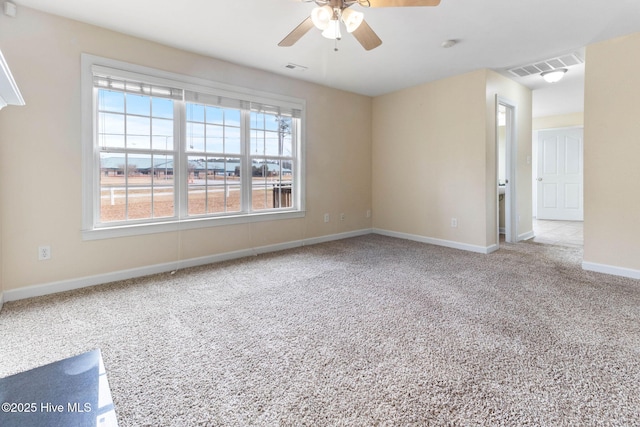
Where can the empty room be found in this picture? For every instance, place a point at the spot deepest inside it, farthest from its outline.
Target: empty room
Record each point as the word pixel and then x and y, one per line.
pixel 320 213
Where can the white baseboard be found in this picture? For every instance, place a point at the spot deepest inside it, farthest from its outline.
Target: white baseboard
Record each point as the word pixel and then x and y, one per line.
pixel 438 242
pixel 339 236
pixel 611 269
pixel 71 284
pixel 68 285
pixel 526 236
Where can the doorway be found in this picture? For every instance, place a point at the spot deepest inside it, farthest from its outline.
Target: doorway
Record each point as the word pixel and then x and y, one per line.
pixel 506 149
pixel 559 180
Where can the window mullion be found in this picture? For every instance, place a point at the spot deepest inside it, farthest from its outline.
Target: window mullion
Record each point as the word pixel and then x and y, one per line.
pixel 295 178
pixel 246 180
pixel 152 167
pixel 180 160
pixel 126 162
pixel 97 199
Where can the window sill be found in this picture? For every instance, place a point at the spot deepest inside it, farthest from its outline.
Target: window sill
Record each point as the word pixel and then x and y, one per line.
pixel 187 224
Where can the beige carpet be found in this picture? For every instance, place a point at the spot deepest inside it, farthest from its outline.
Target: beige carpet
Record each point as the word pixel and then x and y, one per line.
pixel 370 331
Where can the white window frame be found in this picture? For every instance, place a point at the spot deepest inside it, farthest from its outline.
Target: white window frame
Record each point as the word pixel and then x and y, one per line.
pixel 92 230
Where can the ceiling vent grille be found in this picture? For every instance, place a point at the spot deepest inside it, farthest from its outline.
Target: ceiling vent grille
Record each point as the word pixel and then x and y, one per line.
pixel 564 61
pixel 295 67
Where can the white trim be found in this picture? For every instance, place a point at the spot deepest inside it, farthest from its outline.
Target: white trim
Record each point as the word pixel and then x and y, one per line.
pixel 186 224
pixel 91 156
pixel 9 92
pixel 83 282
pixel 511 152
pixel 339 236
pixel 611 269
pixel 186 82
pixel 438 242
pixel 526 236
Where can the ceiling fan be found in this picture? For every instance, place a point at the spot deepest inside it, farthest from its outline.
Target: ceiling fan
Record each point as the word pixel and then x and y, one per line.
pixel 328 14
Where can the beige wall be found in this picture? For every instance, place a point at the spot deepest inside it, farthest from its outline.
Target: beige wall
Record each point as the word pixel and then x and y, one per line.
pixel 40 156
pixel 611 153
pixel 434 158
pixel 559 121
pixel 429 160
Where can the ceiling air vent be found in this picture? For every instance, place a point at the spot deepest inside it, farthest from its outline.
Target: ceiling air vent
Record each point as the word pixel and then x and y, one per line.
pixel 564 61
pixel 295 67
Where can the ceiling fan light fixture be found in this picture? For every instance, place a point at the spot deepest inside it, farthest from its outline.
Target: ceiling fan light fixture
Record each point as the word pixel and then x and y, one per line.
pixel 333 30
pixel 322 16
pixel 554 76
pixel 352 19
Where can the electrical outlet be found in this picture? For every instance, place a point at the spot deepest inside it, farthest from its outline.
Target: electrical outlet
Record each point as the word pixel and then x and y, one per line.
pixel 454 222
pixel 326 217
pixel 368 215
pixel 44 253
pixel 342 217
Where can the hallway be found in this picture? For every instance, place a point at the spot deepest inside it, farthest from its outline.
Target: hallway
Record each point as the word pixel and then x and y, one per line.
pixel 564 233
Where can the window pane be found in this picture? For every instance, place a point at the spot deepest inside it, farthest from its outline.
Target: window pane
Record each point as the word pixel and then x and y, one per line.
pixel 257 142
pixel 233 197
pixel 110 101
pixel 195 137
pixel 215 115
pixel 136 186
pixel 223 186
pixel 163 192
pixel 138 132
pixel 257 120
pixel 215 141
pixel 162 108
pixel 285 141
pixel 112 187
pixel 271 143
pixel 138 104
pixel 139 186
pixel 270 135
pixel 272 184
pixel 271 122
pixel 195 113
pixel 259 191
pixel 162 130
pixel 214 185
pixel 197 186
pixel 232 117
pixel 232 140
pixel 111 130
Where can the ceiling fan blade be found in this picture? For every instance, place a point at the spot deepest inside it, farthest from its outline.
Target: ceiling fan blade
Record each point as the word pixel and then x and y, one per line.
pixel 403 3
pixel 297 32
pixel 366 36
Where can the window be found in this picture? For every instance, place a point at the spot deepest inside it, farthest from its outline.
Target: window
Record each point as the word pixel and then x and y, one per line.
pixel 164 149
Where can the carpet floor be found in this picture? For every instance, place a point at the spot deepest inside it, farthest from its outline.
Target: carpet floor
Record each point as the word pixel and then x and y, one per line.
pixel 368 331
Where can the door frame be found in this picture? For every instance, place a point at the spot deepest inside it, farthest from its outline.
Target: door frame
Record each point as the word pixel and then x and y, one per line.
pixel 511 150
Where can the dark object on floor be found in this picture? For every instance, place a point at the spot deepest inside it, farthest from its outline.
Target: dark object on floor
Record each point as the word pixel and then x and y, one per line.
pixel 73 392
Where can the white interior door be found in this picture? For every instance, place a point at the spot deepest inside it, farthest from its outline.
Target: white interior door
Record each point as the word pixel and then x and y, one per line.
pixel 560 174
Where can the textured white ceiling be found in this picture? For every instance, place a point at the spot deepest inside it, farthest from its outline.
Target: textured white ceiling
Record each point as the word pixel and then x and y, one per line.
pixel 495 34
